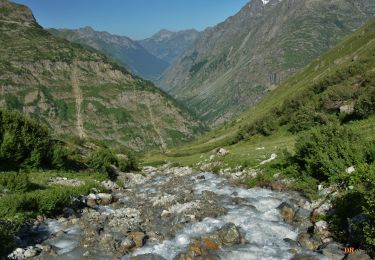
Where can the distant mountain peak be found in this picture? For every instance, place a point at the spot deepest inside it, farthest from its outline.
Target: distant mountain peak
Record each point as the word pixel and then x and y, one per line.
pixel 167 45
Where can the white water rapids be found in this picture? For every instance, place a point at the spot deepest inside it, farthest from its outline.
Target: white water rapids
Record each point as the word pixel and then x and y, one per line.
pixel 257 217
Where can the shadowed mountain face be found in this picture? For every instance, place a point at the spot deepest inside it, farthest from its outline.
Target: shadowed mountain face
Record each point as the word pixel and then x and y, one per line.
pixel 232 65
pixel 76 91
pixel 167 45
pixel 122 49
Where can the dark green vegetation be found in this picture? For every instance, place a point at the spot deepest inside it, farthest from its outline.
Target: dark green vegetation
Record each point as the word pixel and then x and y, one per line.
pixel 28 148
pixel 220 76
pixel 126 51
pixel 75 90
pixel 26 144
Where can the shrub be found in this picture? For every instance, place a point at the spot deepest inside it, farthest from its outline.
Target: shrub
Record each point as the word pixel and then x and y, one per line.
pixel 7 236
pixel 59 157
pixel 23 142
pixel 102 161
pixel 327 151
pixel 365 105
pixel 306 119
pixel 15 182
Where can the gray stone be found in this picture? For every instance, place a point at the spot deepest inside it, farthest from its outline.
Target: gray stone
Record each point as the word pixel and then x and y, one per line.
pixel 147 257
pixel 302 214
pixel 30 252
pixel 333 251
pixel 291 242
pixel 127 243
pixel 104 198
pixel 307 242
pixel 358 255
pixel 229 234
pixel 304 257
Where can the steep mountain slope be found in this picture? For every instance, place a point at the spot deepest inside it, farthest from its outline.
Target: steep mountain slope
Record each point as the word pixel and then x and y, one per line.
pixel 124 50
pixel 232 65
pixel 79 92
pixel 338 86
pixel 167 45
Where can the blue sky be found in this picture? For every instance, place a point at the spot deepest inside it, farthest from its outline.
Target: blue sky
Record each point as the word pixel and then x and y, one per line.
pixel 137 19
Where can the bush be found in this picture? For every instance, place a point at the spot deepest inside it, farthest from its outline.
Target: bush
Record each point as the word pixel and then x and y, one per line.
pixel 353 203
pixel 14 182
pixel 7 236
pixel 59 158
pixel 325 152
pixel 365 105
pixel 23 143
pixel 17 208
pixel 306 119
pixel 103 159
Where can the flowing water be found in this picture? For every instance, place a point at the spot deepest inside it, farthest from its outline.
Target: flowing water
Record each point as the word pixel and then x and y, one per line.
pixel 254 211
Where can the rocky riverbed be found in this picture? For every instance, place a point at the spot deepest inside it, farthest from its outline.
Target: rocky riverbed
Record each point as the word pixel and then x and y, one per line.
pixel 174 213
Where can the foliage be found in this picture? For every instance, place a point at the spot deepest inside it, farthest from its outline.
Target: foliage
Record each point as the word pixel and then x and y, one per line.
pixel 24 203
pixel 7 231
pixel 14 182
pixel 365 106
pixel 354 217
pixel 103 161
pixel 23 142
pixel 325 152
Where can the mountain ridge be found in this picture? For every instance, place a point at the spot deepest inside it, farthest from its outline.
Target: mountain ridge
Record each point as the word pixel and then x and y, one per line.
pixel 121 48
pixel 232 65
pixel 79 92
pixel 168 45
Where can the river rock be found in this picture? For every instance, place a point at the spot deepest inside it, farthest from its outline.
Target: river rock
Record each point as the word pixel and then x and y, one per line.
pixel 358 255
pixel 322 230
pixel 110 185
pixel 147 257
pixel 138 238
pixel 229 234
pixel 299 256
pixel 306 241
pixel 17 254
pixel 127 243
pixel 104 198
pixel 287 212
pixel 30 252
pixel 91 200
pixel 333 251
pixel 195 249
pixel 222 152
pixel 68 212
pixel 125 219
pixel 107 243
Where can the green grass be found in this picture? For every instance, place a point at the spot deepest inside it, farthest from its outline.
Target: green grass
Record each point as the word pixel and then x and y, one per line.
pixel 22 203
pixel 357 48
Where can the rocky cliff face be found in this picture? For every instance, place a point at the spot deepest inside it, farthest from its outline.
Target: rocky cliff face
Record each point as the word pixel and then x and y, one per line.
pixel 167 45
pixel 122 49
pixel 79 92
pixel 232 65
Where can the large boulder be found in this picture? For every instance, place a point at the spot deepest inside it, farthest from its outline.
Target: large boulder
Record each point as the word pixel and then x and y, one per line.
pixel 229 234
